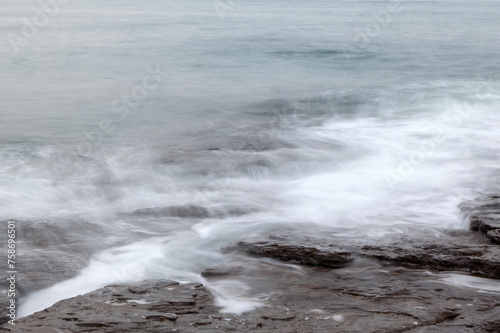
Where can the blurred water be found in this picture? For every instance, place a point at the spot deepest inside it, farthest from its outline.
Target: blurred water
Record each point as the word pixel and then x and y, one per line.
pixel 296 111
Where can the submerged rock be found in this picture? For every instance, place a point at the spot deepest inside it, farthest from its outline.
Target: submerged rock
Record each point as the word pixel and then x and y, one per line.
pixel 487 203
pixel 190 211
pixel 484 215
pixel 174 211
pixel 49 251
pixel 484 222
pixel 494 236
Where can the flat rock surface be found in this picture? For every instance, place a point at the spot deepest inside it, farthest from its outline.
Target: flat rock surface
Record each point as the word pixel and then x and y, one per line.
pixel 487 203
pixel 364 297
pixel 149 306
pixel 454 250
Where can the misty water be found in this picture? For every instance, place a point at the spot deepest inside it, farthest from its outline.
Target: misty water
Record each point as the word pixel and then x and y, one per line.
pixel 365 116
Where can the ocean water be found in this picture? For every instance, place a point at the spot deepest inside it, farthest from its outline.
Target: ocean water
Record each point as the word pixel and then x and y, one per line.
pixel 365 116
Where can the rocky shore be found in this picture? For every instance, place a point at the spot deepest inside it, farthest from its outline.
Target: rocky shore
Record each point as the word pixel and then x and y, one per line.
pixel 428 280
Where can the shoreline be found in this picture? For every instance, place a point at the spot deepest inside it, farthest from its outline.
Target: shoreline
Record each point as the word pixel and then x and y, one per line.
pixel 418 282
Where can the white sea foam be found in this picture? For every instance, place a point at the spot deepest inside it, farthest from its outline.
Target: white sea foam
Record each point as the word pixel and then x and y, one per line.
pixel 473 282
pixel 265 109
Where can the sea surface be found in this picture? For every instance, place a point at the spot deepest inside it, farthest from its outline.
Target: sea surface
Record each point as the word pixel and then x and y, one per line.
pixel 364 116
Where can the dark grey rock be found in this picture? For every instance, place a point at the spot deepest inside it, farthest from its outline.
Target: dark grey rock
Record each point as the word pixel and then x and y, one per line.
pixel 363 297
pixel 119 308
pixel 305 253
pixel 463 254
pixel 174 211
pixel 485 319
pixel 449 250
pixel 366 295
pixel 484 215
pixel 221 271
pixel 484 222
pixel 48 251
pixel 494 236
pixel 190 212
pixel 378 285
pixel 4 303
pixel 486 203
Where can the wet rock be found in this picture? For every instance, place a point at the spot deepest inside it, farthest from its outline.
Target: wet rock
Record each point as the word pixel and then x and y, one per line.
pixel 118 309
pixel 453 250
pixel 359 298
pixel 50 251
pixel 148 306
pixel 305 253
pixel 174 211
pixel 492 325
pixel 4 303
pixel 221 271
pixel 448 250
pixel 494 236
pixel 378 285
pixel 483 320
pixel 190 212
pixel 484 215
pixel 485 204
pixel 281 314
pixel 484 222
pixel 366 295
